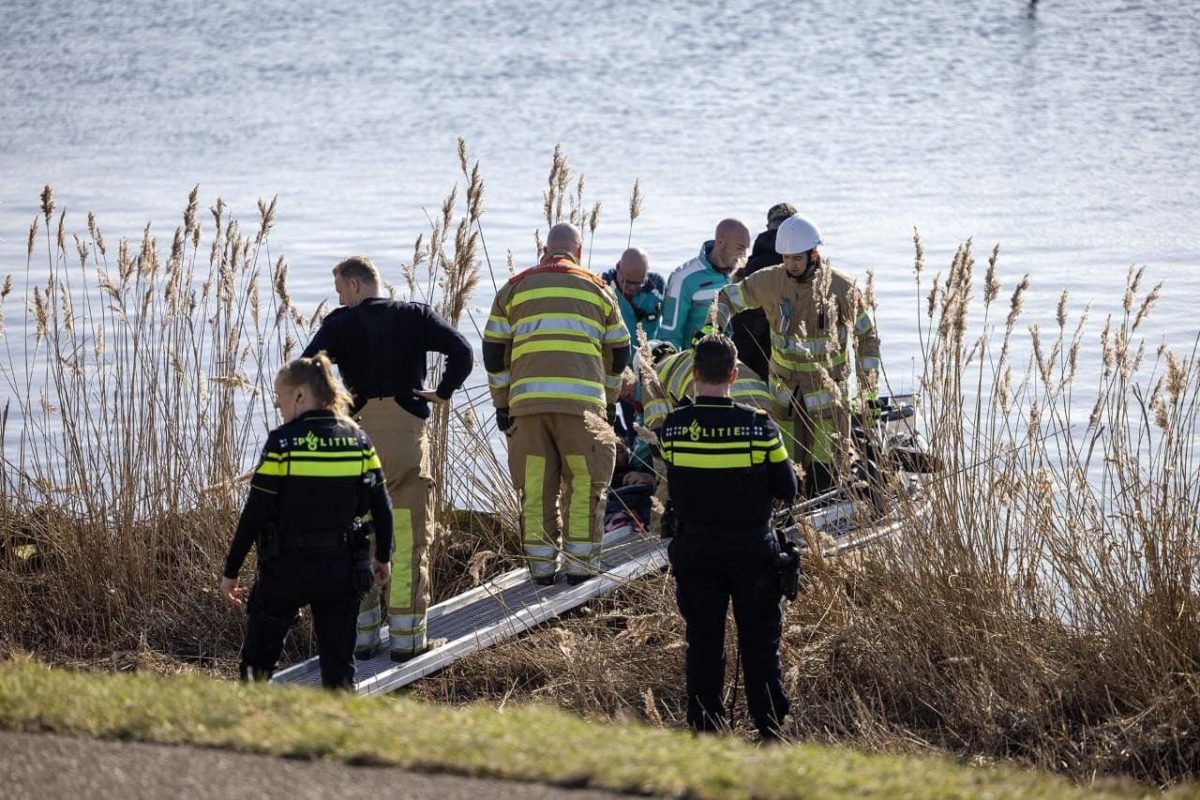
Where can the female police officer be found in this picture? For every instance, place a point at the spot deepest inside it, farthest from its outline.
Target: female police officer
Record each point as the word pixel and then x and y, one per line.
pixel 318 477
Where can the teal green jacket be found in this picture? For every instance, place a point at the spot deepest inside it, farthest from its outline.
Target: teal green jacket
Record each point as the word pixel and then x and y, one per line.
pixel 691 290
pixel 643 308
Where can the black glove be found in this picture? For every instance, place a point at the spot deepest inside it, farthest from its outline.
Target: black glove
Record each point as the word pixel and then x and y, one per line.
pixel 503 421
pixel 610 413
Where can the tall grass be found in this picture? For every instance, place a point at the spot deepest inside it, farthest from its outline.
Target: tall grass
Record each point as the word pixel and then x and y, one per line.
pixel 141 388
pixel 1043 606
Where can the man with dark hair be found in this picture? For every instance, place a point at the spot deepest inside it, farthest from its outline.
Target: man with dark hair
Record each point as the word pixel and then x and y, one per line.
pixel 725 465
pixel 381 348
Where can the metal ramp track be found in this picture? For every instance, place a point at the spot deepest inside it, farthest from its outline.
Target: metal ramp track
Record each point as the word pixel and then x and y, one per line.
pixel 497 610
pixel 511 604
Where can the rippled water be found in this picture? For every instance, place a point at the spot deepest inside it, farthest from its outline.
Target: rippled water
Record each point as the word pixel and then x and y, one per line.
pixel 1068 131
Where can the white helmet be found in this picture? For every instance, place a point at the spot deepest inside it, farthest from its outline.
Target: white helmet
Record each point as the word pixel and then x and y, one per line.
pixel 796 234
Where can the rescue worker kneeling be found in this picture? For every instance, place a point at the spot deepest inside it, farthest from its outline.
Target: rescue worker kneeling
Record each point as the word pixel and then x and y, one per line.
pixel 317 480
pixel 725 464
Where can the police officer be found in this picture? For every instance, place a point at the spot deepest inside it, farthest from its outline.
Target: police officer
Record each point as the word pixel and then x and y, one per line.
pixel 725 464
pixel 319 475
pixel 381 347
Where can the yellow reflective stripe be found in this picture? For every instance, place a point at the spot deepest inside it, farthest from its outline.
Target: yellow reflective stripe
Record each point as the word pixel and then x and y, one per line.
pixel 709 461
pixel 777 452
pixel 292 455
pixel 372 462
pixel 613 381
pixel 400 597
pixel 531 508
pixel 555 346
pixel 498 380
pixel 787 432
pixel 595 298
pixel 677 375
pixel 313 469
pixel 577 514
pixel 756 389
pixel 742 446
pixel 655 411
pixel 822 449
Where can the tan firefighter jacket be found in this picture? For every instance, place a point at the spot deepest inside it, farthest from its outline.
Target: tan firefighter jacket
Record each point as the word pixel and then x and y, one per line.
pixel 810 323
pixel 555 342
pixel 673 381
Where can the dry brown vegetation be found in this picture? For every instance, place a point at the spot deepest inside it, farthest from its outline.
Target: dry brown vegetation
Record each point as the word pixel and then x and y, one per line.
pixel 1046 609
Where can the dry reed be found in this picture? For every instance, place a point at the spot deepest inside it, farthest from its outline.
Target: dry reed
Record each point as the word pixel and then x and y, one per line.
pixel 1044 607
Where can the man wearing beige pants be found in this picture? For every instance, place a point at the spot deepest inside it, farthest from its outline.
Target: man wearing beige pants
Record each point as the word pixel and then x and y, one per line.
pixel 381 348
pixel 554 349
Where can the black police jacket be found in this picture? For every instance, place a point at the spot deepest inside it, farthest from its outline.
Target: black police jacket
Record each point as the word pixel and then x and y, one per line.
pixel 725 464
pixel 317 473
pixel 381 347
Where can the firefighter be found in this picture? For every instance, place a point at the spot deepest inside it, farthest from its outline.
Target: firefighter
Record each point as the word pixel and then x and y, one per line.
pixel 381 347
pixel 725 465
pixel 319 476
pixel 811 309
pixel 674 383
pixel 554 349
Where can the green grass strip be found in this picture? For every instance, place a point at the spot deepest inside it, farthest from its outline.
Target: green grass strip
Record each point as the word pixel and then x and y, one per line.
pixel 526 743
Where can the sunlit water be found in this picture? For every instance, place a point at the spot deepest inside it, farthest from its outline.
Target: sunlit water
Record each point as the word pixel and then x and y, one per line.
pixel 1067 131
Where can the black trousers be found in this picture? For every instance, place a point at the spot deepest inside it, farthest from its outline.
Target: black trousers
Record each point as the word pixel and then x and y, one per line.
pixel 320 580
pixel 708 574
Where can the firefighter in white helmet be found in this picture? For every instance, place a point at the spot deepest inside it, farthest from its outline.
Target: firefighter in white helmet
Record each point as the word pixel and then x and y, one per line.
pixel 812 310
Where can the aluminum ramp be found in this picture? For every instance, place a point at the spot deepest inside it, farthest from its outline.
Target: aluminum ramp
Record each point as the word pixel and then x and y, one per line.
pixel 499 609
pixel 511 604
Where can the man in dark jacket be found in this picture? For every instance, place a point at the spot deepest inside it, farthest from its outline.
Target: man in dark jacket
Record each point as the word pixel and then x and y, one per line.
pixel 749 329
pixel 381 348
pixel 725 465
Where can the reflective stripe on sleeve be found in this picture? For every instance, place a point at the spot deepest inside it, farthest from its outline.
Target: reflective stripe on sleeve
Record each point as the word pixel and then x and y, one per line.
pixel 497 328
pixel 863 323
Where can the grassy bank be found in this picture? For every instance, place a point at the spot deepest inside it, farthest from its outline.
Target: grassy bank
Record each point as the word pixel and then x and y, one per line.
pixel 1045 611
pixel 525 743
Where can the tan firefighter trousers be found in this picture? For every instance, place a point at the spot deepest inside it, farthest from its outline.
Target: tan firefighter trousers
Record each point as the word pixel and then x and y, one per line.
pixel 560 469
pixel 403 448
